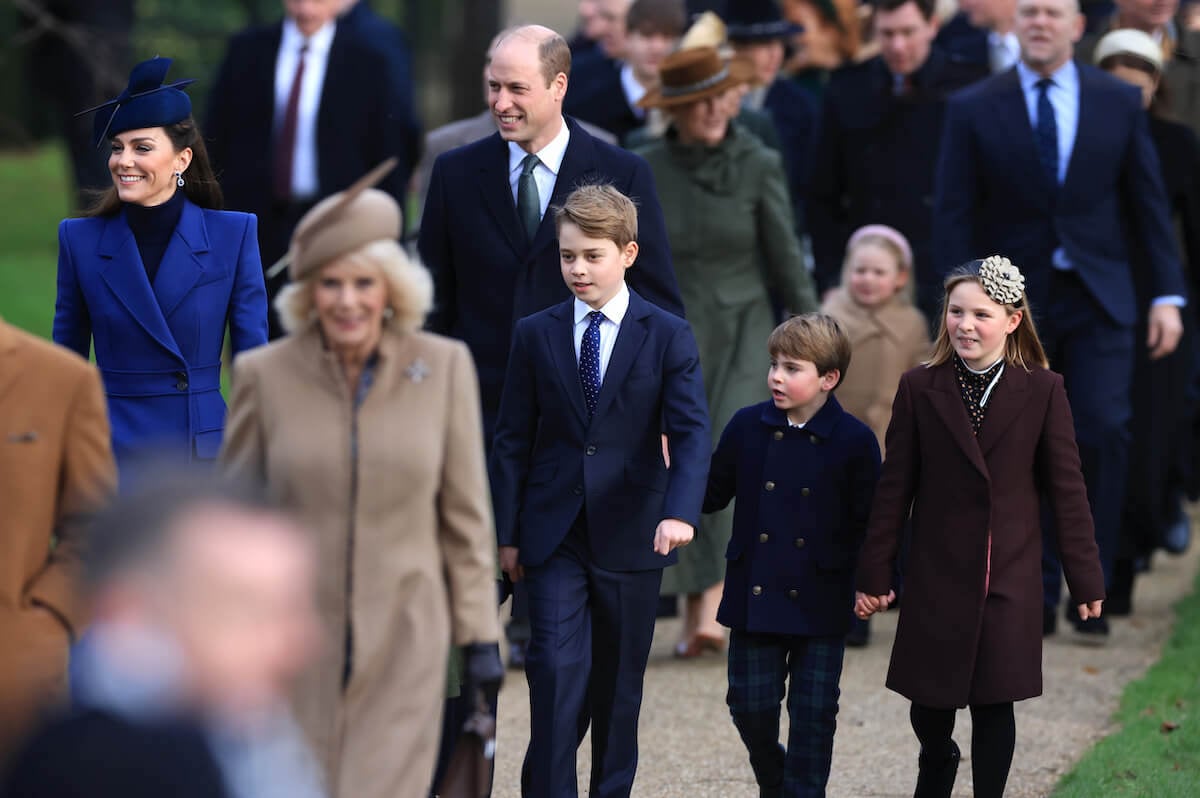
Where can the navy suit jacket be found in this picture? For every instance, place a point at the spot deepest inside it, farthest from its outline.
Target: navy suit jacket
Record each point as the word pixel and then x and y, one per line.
pixel 595 95
pixel 159 346
pixel 796 543
pixel 487 275
pixel 359 122
pixel 549 461
pixel 992 196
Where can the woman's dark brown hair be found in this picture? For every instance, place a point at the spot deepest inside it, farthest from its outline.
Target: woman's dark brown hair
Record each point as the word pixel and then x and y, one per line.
pixel 200 183
pixel 1160 103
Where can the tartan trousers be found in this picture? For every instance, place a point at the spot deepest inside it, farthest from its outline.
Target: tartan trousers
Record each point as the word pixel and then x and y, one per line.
pixel 763 670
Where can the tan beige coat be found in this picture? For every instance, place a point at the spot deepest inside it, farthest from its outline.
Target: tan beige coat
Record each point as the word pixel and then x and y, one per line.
pixel 885 343
pixel 56 463
pixel 405 538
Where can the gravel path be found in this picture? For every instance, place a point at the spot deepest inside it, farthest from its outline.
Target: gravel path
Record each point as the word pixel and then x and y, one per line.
pixel 689 748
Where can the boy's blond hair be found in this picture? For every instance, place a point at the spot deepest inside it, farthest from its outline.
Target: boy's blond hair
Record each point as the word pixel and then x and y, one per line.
pixel 600 211
pixel 815 337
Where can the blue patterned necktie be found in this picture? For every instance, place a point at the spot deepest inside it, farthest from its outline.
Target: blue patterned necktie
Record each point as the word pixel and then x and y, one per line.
pixel 1047 133
pixel 589 361
pixel 529 204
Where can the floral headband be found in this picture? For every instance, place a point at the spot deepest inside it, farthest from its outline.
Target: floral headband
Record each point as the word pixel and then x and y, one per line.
pixel 1001 280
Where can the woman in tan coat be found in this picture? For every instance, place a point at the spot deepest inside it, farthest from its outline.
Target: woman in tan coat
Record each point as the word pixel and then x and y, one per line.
pixel 371 431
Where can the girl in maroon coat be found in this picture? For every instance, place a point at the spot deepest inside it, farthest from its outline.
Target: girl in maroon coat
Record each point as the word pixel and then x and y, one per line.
pixel 977 434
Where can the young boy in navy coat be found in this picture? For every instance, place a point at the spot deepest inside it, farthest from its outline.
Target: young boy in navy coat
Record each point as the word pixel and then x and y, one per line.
pixel 803 472
pixel 587 511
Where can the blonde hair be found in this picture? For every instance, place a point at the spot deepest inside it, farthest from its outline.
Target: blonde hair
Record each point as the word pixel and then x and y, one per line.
pixel 409 288
pixel 600 211
pixel 1022 347
pixel 815 337
pixel 903 265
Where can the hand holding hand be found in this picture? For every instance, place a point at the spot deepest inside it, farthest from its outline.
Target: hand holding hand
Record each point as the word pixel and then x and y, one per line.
pixel 671 534
pixel 510 563
pixel 865 606
pixel 1090 610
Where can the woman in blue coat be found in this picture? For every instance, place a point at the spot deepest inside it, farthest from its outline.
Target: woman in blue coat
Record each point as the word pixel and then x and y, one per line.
pixel 154 273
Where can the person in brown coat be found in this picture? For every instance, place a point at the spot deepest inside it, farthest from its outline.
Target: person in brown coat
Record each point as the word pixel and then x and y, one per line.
pixel 56 464
pixel 370 430
pixel 977 434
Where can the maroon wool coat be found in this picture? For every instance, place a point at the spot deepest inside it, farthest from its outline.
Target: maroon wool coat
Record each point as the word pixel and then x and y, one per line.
pixel 969 633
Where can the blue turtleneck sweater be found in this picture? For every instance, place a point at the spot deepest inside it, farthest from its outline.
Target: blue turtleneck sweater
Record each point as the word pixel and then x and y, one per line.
pixel 152 229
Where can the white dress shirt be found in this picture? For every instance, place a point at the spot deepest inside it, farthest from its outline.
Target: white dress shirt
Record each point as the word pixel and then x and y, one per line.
pixel 305 183
pixel 1004 51
pixel 546 172
pixel 614 312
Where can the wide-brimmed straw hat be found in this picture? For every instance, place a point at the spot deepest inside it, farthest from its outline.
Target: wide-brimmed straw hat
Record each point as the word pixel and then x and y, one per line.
pixel 687 76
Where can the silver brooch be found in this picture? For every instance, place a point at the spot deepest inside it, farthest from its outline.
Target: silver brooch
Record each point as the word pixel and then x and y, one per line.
pixel 1002 281
pixel 418 371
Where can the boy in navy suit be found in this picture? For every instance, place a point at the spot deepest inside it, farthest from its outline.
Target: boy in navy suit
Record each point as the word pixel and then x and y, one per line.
pixel 803 472
pixel 587 511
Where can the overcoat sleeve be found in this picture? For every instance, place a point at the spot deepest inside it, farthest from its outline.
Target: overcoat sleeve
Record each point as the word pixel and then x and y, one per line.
pixel 786 274
pixel 722 469
pixel 685 422
pixel 512 444
pixel 88 478
pixel 893 496
pixel 464 512
pixel 248 309
pixel 72 322
pixel 243 449
pixel 1061 478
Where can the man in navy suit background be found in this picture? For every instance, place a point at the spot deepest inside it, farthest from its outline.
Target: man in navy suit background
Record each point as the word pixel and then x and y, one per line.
pixel 492 266
pixel 587 512
pixel 1051 164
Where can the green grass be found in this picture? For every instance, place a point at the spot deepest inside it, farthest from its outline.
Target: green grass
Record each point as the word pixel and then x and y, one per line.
pixel 34 196
pixel 1157 751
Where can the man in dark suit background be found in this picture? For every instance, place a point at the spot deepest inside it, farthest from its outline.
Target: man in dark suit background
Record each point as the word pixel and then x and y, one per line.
pixel 877 150
pixel 491 246
pixel 1051 165
pixel 982 34
pixel 301 109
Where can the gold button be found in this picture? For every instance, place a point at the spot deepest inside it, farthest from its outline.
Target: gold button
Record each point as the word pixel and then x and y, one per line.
pixel 778 434
pixel 756 590
pixel 804 491
pixel 799 543
pixel 763 537
pixel 793 593
pixel 770 486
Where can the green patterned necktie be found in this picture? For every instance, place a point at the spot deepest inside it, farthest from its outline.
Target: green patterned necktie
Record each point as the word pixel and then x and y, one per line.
pixel 529 204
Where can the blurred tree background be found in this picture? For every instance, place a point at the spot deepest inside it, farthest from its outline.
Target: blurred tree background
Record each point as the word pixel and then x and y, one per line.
pixel 447 37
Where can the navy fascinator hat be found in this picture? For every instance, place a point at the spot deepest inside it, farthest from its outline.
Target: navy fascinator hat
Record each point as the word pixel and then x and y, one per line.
pixel 146 102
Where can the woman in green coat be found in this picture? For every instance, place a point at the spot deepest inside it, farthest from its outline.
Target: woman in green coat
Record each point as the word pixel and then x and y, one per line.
pixel 739 266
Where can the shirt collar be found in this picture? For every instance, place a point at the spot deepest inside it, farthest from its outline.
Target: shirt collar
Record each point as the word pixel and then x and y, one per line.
pixel 821 424
pixel 551 155
pixel 1065 77
pixel 614 310
pixel 634 91
pixel 319 42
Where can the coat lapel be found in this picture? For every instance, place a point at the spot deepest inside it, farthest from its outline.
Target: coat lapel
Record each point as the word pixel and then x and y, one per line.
pixel 560 337
pixel 1006 403
pixel 947 400
pixel 122 270
pixel 497 193
pixel 183 261
pixel 630 338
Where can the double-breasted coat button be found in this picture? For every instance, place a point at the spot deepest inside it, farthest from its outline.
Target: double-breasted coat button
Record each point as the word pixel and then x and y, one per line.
pixel 770 486
pixel 763 537
pixel 778 434
pixel 799 543
pixel 805 491
pixel 589 451
pixel 814 439
pixel 756 590
pixel 793 594
pixel 579 490
pixel 181 383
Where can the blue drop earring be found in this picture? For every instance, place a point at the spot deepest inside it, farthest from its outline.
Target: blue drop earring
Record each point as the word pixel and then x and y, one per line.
pixel 179 179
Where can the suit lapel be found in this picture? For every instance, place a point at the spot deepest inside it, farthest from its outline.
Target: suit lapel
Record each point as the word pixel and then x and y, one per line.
pixel 630 338
pixel 497 193
pixel 1011 106
pixel 122 270
pixel 1084 149
pixel 560 337
pixel 947 400
pixel 1008 399
pixel 183 261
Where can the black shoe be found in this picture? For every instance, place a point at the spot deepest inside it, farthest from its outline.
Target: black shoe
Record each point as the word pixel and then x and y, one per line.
pixel 936 779
pixel 1049 621
pixel 859 634
pixel 1092 632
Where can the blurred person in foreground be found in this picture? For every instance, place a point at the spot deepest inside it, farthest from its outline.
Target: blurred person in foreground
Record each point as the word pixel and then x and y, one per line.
pixel 203 608
pixel 371 430
pixel 56 465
